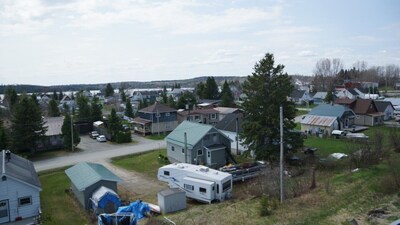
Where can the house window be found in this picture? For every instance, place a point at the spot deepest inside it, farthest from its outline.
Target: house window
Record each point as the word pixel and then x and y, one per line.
pixel 208 154
pixel 25 201
pixel 202 190
pixel 167 114
pixel 213 116
pixel 200 152
pixel 183 150
pixel 172 148
pixel 188 187
pixel 166 173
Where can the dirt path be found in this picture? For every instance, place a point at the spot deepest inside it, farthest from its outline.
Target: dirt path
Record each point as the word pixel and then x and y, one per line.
pixel 135 185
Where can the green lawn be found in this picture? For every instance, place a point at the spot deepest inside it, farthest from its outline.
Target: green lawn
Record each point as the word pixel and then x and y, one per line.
pixel 157 137
pixel 145 163
pixel 59 207
pixel 327 146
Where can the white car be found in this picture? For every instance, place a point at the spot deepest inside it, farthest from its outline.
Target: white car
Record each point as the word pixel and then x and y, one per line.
pixel 101 138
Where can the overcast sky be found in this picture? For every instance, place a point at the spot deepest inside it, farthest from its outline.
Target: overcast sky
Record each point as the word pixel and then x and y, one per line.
pixel 52 42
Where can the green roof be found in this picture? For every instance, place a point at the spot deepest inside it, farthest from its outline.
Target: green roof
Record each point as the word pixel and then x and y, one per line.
pixel 194 133
pixel 85 174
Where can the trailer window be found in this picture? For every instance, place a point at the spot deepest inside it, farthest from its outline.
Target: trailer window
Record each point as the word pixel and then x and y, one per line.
pixel 166 173
pixel 188 187
pixel 202 190
pixel 226 185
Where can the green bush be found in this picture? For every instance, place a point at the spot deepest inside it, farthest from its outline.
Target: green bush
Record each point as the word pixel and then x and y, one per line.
pixel 267 205
pixel 124 137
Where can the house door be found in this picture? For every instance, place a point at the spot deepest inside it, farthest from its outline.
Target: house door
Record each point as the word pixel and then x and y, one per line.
pixel 4 211
pixel 209 157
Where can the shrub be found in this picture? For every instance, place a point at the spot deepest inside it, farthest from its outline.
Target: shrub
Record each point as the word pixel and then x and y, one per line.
pixel 124 137
pixel 266 206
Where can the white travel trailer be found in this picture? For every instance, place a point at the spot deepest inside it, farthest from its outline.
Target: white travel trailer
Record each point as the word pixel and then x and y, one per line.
pixel 199 182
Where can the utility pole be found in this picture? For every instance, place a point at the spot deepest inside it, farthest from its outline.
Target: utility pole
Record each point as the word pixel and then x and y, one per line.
pixel 281 152
pixel 72 134
pixel 185 147
pixel 237 136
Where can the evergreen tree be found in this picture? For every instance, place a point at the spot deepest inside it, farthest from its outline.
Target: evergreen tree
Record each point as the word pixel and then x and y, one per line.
pixel 34 98
pixel 128 108
pixel 66 133
pixel 200 90
pixel 211 89
pixel 164 95
pixel 53 108
pixel 55 96
pixel 82 102
pixel 60 96
pixel 96 113
pixel 226 95
pixel 10 97
pixel 266 90
pixel 114 125
pixel 186 98
pixel 3 136
pixel 329 97
pixel 109 90
pixel 171 102
pixel 122 94
pixel 28 127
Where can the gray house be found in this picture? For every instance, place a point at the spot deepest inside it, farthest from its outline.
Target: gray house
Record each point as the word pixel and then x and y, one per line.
pixel 205 145
pixel 386 108
pixel 87 177
pixel 19 188
pixel 345 116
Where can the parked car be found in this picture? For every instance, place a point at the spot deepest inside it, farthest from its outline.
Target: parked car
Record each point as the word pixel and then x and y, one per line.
pixel 93 134
pixel 338 133
pixel 101 138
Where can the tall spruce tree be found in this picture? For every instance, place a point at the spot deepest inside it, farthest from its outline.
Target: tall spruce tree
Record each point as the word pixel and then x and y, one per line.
pixel 95 110
pixel 114 125
pixel 66 133
pixel 266 90
pixel 53 108
pixel 84 111
pixel 128 108
pixel 226 95
pixel 211 89
pixel 109 91
pixel 28 127
pixel 3 136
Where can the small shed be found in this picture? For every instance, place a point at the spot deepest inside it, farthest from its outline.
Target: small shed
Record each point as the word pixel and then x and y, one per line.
pixel 171 200
pixel 105 200
pixel 87 177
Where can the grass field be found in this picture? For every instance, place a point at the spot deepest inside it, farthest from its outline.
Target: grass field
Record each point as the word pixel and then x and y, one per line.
pixel 145 163
pixel 59 207
pixel 157 137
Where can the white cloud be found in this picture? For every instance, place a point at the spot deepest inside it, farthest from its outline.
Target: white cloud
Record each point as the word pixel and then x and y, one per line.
pixel 307 53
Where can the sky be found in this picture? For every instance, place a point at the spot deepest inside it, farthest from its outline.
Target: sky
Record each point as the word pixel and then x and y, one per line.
pixel 57 42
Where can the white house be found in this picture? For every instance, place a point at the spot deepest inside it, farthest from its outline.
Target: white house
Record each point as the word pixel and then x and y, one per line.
pixel 19 188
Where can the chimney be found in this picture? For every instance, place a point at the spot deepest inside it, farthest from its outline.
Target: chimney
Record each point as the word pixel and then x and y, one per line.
pixel 8 155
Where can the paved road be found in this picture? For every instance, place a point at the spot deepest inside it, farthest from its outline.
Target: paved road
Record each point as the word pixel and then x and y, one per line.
pixel 93 151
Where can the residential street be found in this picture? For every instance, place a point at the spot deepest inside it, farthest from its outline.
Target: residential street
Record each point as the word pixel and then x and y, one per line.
pixel 93 151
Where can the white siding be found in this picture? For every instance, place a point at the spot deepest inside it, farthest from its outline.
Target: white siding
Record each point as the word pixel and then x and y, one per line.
pixel 12 190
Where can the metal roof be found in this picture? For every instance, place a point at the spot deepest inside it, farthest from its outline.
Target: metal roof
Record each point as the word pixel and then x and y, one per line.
pixel 194 133
pixel 330 110
pixel 85 174
pixel 227 110
pixel 325 121
pixel 54 125
pixel 20 169
pixel 382 105
pixel 321 95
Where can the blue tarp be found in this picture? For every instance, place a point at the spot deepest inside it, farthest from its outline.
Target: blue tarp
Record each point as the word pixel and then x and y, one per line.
pixel 104 195
pixel 139 208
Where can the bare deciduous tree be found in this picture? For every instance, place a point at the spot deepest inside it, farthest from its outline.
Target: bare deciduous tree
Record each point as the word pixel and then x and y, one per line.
pixel 324 73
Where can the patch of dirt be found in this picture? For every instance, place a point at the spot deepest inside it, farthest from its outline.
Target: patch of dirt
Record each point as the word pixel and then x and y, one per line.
pixel 135 185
